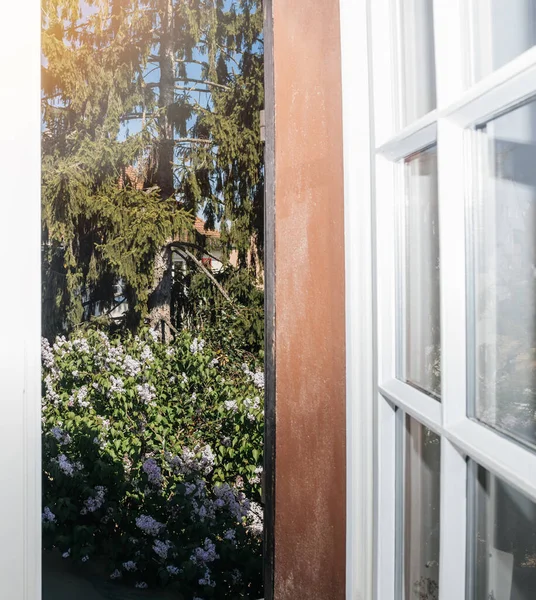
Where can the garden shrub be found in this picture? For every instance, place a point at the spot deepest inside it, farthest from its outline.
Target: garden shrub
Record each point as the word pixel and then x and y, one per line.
pixel 151 461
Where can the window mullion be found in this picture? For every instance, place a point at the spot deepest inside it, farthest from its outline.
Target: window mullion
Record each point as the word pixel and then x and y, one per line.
pixel 453 540
pixel 452 194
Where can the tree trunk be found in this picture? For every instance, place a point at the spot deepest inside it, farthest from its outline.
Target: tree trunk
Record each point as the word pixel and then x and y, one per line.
pixel 160 299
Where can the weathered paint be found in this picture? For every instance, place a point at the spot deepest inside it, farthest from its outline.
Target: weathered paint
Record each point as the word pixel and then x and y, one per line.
pixel 308 293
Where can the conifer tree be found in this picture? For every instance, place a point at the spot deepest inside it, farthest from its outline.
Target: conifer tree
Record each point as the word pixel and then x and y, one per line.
pixel 150 114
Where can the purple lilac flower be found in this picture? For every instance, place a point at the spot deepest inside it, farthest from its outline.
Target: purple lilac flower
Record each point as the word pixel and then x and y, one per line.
pixel 162 548
pixel 205 554
pixel 48 516
pixel 61 436
pixel 141 585
pixel 93 503
pixel 149 525
pixel 153 471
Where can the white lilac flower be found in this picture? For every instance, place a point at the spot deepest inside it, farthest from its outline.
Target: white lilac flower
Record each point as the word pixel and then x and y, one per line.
pixel 147 355
pixel 231 405
pixel 257 477
pixel 197 345
pixel 93 503
pixel 206 580
pixel 205 554
pixel 141 585
pixel 184 377
pixel 66 554
pixel 193 461
pixel 226 441
pixel 100 443
pixel 154 474
pixel 48 516
pixel 172 570
pixel 130 566
pixel 149 525
pixel 51 396
pixel 85 558
pixel 115 356
pixel 65 465
pixel 193 397
pixel 214 363
pixel 131 366
pixel 81 345
pixel 258 379
pixel 154 334
pixel 117 385
pixel 76 374
pixel 146 393
pixel 170 351
pixel 61 436
pixel 47 355
pixel 80 397
pixel 162 548
pixel 255 519
pixel 116 574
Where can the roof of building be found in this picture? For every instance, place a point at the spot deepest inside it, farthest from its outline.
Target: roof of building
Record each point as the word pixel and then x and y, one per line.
pixel 200 227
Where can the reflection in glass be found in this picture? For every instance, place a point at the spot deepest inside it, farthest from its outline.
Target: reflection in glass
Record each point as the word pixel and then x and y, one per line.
pixel 417 26
pixel 422 327
pixel 503 29
pixel 503 540
pixel 504 276
pixel 421 513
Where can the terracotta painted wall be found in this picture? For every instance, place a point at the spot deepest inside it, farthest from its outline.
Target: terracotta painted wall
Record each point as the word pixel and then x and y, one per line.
pixel 306 184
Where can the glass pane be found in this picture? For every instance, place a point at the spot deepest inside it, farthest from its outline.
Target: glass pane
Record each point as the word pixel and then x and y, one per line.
pixel 422 327
pixel 503 541
pixel 417 20
pixel 504 312
pixel 421 513
pixel 503 29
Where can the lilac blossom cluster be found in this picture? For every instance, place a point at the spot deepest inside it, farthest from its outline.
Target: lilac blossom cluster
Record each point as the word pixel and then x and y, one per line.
pixel 66 466
pixel 149 525
pixel 146 393
pixel 162 548
pixel 48 516
pixel 198 460
pixel 93 503
pixel 257 377
pixel 153 471
pixel 205 554
pixel 197 345
pixel 63 438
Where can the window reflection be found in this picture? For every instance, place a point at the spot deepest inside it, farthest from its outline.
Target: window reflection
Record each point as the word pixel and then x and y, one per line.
pixel 421 513
pixel 504 540
pixel 504 276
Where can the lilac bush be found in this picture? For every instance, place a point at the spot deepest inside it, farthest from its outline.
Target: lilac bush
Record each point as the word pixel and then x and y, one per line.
pixel 152 461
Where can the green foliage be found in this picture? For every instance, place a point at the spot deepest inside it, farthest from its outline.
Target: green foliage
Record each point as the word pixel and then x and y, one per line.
pixel 134 429
pixel 237 326
pixel 174 95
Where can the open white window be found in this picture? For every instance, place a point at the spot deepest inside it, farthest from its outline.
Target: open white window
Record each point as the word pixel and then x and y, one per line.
pixel 452 195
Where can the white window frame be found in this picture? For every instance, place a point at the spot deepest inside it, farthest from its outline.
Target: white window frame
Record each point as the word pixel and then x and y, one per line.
pixel 20 301
pixel 374 148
